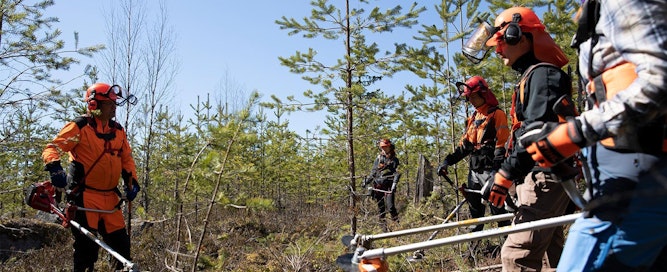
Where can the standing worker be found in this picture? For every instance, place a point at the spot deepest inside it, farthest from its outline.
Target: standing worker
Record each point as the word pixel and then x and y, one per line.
pixel 484 140
pixel 523 43
pixel 99 155
pixel 384 179
pixel 623 62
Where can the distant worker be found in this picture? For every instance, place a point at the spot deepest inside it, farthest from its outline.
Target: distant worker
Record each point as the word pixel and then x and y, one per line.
pixel 484 141
pixel 383 179
pixel 99 155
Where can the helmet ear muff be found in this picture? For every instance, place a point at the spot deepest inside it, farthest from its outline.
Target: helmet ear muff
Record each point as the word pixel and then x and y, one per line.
pixel 482 88
pixel 513 33
pixel 92 103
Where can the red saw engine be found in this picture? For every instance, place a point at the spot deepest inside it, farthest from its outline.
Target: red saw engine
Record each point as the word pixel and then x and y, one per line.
pixel 40 196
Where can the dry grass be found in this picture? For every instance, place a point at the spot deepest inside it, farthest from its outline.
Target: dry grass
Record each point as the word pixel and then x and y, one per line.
pixel 297 238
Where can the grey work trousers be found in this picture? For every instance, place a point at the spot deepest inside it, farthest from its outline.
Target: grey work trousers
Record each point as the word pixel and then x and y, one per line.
pixel 540 196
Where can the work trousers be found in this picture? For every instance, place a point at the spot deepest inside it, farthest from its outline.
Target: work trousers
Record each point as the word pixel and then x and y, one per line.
pixel 86 250
pixel 628 228
pixel 540 196
pixel 385 201
pixel 477 208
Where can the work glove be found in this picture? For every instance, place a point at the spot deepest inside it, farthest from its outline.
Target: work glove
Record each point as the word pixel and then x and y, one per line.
pixel 131 194
pixel 496 193
pixel 365 182
pixel 551 143
pixel 442 169
pixel 58 177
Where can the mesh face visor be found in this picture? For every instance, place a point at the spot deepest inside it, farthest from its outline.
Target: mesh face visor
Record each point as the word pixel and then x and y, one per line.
pixel 464 90
pixel 475 48
pixel 112 93
pixel 116 92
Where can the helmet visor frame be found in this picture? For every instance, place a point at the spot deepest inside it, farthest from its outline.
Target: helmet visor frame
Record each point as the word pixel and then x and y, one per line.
pixel 475 48
pixel 112 93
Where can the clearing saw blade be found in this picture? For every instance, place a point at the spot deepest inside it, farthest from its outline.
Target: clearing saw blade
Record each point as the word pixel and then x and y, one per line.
pixel 345 262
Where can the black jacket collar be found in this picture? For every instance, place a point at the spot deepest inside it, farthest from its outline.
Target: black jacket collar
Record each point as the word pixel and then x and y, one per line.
pixel 525 61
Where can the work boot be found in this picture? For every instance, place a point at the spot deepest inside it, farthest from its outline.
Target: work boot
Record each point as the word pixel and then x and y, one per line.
pixel 383 225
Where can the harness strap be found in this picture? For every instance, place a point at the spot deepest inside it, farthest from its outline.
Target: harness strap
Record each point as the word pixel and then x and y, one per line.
pixel 650 138
pixel 612 81
pixel 87 120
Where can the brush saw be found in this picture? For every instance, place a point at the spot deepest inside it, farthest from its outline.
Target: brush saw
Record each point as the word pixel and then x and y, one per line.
pixel 42 196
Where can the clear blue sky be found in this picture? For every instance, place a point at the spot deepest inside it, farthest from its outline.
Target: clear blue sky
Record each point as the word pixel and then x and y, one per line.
pixel 218 37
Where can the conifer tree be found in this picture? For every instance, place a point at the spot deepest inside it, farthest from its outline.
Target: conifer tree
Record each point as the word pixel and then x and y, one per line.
pixel 31 48
pixel 359 61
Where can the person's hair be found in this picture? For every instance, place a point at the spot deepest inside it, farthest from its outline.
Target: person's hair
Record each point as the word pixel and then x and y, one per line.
pixel 392 151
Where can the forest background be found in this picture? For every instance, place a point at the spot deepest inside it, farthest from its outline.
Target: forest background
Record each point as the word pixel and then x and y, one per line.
pixel 228 184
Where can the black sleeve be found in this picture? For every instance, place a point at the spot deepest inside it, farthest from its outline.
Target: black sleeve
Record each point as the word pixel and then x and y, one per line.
pixel 543 87
pixel 460 152
pixel 374 169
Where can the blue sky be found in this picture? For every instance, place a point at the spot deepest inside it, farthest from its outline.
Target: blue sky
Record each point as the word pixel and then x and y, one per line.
pixel 235 39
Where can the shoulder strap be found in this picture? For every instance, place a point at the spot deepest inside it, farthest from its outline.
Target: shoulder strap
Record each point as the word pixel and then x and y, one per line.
pixel 471 119
pixel 81 121
pixel 115 124
pixel 589 15
pixel 526 75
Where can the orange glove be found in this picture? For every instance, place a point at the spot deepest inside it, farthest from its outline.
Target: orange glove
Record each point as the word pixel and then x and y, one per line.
pixel 498 191
pixel 373 265
pixel 548 145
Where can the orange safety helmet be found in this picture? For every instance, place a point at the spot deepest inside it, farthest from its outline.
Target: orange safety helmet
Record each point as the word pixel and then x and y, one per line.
pixel 385 142
pixel 513 22
pixel 477 84
pixel 101 91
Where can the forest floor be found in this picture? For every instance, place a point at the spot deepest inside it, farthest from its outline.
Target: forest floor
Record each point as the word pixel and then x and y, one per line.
pixel 303 237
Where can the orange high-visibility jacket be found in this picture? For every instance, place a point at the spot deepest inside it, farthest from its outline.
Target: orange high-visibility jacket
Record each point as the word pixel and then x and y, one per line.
pixel 84 146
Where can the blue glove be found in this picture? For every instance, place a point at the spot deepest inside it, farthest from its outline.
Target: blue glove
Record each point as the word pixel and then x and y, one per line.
pixel 131 194
pixel 58 177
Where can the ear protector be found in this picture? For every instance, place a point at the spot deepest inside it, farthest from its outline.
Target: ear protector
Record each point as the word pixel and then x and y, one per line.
pixel 92 102
pixel 513 33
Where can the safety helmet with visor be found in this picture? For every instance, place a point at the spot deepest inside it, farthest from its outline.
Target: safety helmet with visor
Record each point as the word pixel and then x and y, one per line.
pixel 509 27
pixel 105 92
pixel 476 84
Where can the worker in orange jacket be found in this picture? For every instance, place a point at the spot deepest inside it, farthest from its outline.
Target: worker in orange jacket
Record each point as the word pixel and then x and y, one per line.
pixel 99 155
pixel 484 141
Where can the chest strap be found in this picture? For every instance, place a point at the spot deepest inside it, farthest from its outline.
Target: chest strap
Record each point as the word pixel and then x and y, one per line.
pixel 650 138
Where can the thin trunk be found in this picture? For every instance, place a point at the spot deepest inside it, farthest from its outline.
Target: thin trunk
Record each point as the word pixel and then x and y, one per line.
pixel 350 139
pixel 214 195
pixel 179 201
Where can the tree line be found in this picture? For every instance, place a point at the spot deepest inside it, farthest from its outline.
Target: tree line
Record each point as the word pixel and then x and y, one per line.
pixel 234 149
